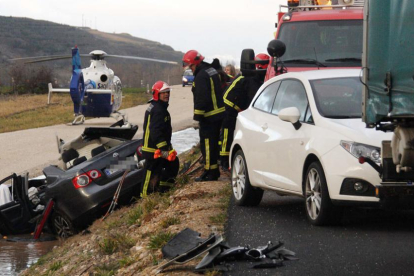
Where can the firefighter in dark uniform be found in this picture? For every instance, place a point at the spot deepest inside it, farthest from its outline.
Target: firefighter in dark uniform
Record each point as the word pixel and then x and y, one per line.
pixel 161 163
pixel 208 111
pixel 236 98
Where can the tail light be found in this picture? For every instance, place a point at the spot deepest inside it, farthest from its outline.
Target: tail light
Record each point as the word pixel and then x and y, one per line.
pixel 85 179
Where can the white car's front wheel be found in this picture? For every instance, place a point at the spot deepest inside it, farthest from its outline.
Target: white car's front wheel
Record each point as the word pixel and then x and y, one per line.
pixel 244 193
pixel 319 208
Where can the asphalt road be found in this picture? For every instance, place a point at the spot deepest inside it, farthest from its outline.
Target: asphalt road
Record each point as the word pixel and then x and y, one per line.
pixel 368 241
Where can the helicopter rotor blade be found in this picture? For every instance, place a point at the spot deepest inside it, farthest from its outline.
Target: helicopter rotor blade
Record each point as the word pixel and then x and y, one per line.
pixel 142 58
pixel 44 58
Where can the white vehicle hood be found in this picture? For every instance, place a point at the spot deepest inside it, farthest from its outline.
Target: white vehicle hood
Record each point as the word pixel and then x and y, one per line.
pixel 355 130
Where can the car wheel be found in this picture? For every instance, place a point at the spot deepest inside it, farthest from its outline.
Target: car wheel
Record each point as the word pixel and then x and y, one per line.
pixel 183 84
pixel 319 208
pixel 244 193
pixel 62 226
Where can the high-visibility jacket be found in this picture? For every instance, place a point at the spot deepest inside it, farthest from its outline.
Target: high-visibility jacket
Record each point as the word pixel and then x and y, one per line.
pixel 208 94
pixel 240 93
pixel 157 129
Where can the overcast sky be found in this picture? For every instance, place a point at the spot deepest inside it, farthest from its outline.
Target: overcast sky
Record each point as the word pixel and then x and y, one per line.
pixel 216 28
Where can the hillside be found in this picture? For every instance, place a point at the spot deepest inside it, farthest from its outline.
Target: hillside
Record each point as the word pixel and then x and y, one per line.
pixel 25 37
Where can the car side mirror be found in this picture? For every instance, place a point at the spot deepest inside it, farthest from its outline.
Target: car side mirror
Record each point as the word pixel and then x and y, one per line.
pixel 290 114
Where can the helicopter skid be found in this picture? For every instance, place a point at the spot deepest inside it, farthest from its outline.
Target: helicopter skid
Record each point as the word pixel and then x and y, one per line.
pixel 79 119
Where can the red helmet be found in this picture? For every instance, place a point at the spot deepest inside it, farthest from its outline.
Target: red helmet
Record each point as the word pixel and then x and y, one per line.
pixel 262 57
pixel 192 57
pixel 159 87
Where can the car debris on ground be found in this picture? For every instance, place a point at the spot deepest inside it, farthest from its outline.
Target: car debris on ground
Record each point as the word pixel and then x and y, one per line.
pixel 188 245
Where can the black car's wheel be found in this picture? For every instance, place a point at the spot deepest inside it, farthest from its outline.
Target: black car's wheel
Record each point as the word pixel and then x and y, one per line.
pixel 62 226
pixel 244 193
pixel 319 208
pixel 183 84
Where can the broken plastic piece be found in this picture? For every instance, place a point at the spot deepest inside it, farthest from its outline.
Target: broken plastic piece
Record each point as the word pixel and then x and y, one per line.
pixel 233 253
pixel 209 258
pixel 210 243
pixel 181 243
pixel 262 251
pixel 283 254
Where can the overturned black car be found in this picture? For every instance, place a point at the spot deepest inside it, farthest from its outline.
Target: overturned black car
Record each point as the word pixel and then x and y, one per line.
pixel 82 187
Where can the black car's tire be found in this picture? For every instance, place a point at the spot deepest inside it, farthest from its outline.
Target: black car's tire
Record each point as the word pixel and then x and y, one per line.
pixel 62 226
pixel 243 192
pixel 183 84
pixel 318 204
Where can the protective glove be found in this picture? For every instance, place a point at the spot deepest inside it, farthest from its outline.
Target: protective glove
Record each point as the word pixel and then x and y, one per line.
pixel 172 155
pixel 169 155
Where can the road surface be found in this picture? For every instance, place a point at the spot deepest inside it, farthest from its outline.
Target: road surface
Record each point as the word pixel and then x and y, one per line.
pixel 367 242
pixel 33 149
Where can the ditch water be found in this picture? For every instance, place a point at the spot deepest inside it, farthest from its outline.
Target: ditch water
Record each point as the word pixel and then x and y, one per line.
pixel 17 256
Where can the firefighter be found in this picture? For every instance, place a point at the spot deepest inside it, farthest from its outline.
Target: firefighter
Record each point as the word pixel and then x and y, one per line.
pixel 237 98
pixel 208 111
pixel 161 163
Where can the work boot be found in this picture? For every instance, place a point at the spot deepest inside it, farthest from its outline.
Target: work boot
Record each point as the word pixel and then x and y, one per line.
pixel 224 165
pixel 209 175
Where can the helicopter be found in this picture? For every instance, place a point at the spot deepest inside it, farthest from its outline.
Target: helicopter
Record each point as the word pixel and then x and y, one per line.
pixel 95 90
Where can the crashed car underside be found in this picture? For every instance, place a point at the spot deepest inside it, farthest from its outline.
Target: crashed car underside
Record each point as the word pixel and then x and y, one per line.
pixel 82 187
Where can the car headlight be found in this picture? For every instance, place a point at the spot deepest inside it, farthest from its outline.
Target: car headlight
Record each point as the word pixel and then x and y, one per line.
pixel 367 151
pixel 185 79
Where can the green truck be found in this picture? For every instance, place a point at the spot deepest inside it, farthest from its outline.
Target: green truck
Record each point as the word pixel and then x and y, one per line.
pixel 388 78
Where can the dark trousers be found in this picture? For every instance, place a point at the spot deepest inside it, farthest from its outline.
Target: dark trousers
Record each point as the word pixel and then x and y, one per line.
pixel 159 175
pixel 226 137
pixel 209 138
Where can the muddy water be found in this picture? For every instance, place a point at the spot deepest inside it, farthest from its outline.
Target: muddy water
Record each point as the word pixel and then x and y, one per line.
pixel 19 255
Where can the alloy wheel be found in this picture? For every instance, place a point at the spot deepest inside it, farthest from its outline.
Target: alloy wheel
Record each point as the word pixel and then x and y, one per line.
pixel 313 194
pixel 63 227
pixel 238 177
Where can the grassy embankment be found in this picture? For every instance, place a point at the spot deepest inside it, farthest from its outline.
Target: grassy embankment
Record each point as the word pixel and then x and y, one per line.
pixel 32 111
pixel 129 241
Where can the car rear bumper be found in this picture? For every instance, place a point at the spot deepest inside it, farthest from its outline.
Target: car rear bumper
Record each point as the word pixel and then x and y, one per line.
pixel 89 202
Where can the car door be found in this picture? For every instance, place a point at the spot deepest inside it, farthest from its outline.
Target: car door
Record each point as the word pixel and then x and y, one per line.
pixel 286 147
pixel 15 215
pixel 254 123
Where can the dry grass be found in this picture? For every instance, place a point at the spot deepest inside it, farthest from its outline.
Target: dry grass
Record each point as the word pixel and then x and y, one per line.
pixel 32 111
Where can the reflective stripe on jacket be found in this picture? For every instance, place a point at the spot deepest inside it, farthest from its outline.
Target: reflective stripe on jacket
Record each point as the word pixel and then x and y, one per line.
pixel 207 91
pixel 157 128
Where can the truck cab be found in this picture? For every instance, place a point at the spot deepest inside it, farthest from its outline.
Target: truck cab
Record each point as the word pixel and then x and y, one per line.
pixel 318 35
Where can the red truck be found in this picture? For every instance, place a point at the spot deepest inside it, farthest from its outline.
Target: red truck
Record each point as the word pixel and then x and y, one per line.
pixel 316 34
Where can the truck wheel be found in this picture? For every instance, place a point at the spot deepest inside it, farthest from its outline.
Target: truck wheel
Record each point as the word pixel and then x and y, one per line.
pixel 319 208
pixel 244 193
pixel 247 55
pixel 62 226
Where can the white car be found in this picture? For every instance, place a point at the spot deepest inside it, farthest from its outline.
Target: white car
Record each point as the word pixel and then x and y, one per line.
pixel 302 135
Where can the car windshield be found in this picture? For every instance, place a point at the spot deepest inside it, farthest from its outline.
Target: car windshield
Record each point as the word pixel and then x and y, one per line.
pixel 332 43
pixel 338 98
pixel 188 73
